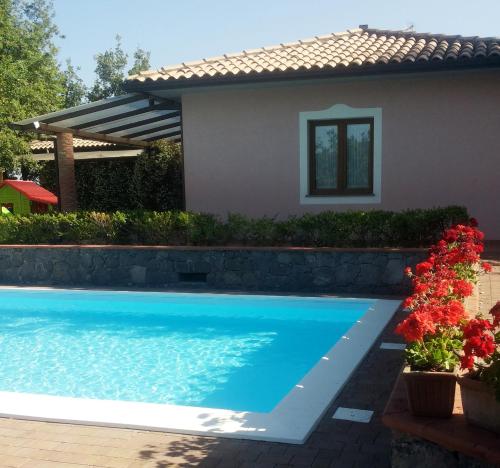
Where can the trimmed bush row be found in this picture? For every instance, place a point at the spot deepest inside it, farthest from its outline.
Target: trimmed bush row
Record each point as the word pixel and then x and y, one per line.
pixel 412 228
pixel 151 181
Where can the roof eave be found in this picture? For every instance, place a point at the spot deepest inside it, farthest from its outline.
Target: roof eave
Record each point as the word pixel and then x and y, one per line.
pixel 42 200
pixel 294 75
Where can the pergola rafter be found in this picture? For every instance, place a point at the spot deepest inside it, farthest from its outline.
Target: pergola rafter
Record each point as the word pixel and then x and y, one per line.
pixel 114 120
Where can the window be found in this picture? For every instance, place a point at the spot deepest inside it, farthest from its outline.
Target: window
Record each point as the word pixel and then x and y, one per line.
pixel 347 169
pixel 8 206
pixel 340 156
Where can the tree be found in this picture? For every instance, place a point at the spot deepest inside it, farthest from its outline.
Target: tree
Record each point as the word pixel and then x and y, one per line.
pixel 30 80
pixel 110 70
pixel 141 61
pixel 74 87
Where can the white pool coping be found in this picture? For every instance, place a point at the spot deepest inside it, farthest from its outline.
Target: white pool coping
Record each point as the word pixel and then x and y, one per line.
pixel 291 421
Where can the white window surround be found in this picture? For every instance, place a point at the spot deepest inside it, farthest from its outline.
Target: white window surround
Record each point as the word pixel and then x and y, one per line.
pixel 341 111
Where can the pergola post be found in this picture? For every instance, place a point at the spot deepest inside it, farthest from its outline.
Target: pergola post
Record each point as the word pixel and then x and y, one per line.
pixel 65 169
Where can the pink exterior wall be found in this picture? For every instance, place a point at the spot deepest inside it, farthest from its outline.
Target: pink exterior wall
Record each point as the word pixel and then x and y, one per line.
pixel 440 144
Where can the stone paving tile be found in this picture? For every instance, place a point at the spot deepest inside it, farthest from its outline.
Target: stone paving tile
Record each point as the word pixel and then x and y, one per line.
pixel 334 443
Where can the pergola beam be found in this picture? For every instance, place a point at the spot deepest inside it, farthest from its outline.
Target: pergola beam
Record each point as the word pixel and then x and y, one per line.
pixel 40 127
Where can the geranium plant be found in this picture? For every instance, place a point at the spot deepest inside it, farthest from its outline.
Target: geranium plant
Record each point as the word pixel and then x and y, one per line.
pixel 434 328
pixel 481 349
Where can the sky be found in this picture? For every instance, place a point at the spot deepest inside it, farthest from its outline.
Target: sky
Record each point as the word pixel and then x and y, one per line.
pixel 184 30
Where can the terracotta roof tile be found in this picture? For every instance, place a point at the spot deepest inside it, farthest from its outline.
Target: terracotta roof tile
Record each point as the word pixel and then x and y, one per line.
pixel 352 48
pixel 37 145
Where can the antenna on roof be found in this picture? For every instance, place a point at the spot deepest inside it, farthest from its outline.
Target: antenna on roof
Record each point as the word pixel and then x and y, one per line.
pixel 409 28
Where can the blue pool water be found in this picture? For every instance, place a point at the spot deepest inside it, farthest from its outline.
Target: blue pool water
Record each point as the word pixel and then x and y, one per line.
pixel 235 352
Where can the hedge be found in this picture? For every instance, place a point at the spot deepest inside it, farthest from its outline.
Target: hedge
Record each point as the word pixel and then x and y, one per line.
pixel 151 181
pixel 411 228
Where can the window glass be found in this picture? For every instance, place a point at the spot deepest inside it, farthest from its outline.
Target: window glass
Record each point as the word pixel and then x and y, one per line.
pixel 358 155
pixel 326 156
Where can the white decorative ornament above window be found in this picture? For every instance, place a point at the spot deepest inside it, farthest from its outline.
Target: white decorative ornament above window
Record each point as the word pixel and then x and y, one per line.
pixel 340 112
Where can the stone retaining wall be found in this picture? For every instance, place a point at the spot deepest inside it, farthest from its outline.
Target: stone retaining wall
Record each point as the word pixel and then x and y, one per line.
pixel 361 271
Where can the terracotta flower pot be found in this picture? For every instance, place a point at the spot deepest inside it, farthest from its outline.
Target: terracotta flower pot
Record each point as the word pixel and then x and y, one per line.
pixel 430 394
pixel 481 408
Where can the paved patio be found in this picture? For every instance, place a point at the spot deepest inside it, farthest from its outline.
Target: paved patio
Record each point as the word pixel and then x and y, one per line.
pixel 334 443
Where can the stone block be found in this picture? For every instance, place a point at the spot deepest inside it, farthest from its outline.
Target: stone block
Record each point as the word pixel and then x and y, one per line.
pixel 61 274
pixel 323 277
pixel 230 279
pixel 138 274
pixel 155 277
pixel 42 270
pixel 311 258
pixel 369 274
pixel 112 259
pixel 278 269
pixel 346 274
pixel 285 258
pixel 393 272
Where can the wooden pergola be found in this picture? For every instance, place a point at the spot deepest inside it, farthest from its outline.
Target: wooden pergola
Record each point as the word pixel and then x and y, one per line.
pixel 133 119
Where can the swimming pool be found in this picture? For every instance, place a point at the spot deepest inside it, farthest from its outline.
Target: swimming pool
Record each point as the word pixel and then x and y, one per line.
pixel 234 363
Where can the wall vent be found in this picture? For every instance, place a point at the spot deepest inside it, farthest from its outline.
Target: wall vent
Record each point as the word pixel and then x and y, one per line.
pixel 193 277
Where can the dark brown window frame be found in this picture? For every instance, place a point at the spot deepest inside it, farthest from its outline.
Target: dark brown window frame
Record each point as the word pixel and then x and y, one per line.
pixel 342 159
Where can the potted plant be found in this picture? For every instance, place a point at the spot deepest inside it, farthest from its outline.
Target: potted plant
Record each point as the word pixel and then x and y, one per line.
pixel 433 329
pixel 430 372
pixel 480 386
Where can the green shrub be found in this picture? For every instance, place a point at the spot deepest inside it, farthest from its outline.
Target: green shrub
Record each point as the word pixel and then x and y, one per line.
pixel 151 181
pixel 157 178
pixel 411 228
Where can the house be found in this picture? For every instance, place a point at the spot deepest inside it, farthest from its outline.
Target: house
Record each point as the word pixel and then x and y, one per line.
pixel 365 119
pixel 24 197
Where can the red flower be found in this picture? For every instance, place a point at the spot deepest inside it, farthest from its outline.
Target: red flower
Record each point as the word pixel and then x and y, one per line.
pixel 420 288
pixel 476 327
pixel 495 312
pixel 473 222
pixel 486 267
pixel 451 235
pixel 407 303
pixel 423 267
pixel 442 289
pixel 415 327
pixel 462 288
pixel 467 362
pixel 481 346
pixel 454 313
pixel 439 285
